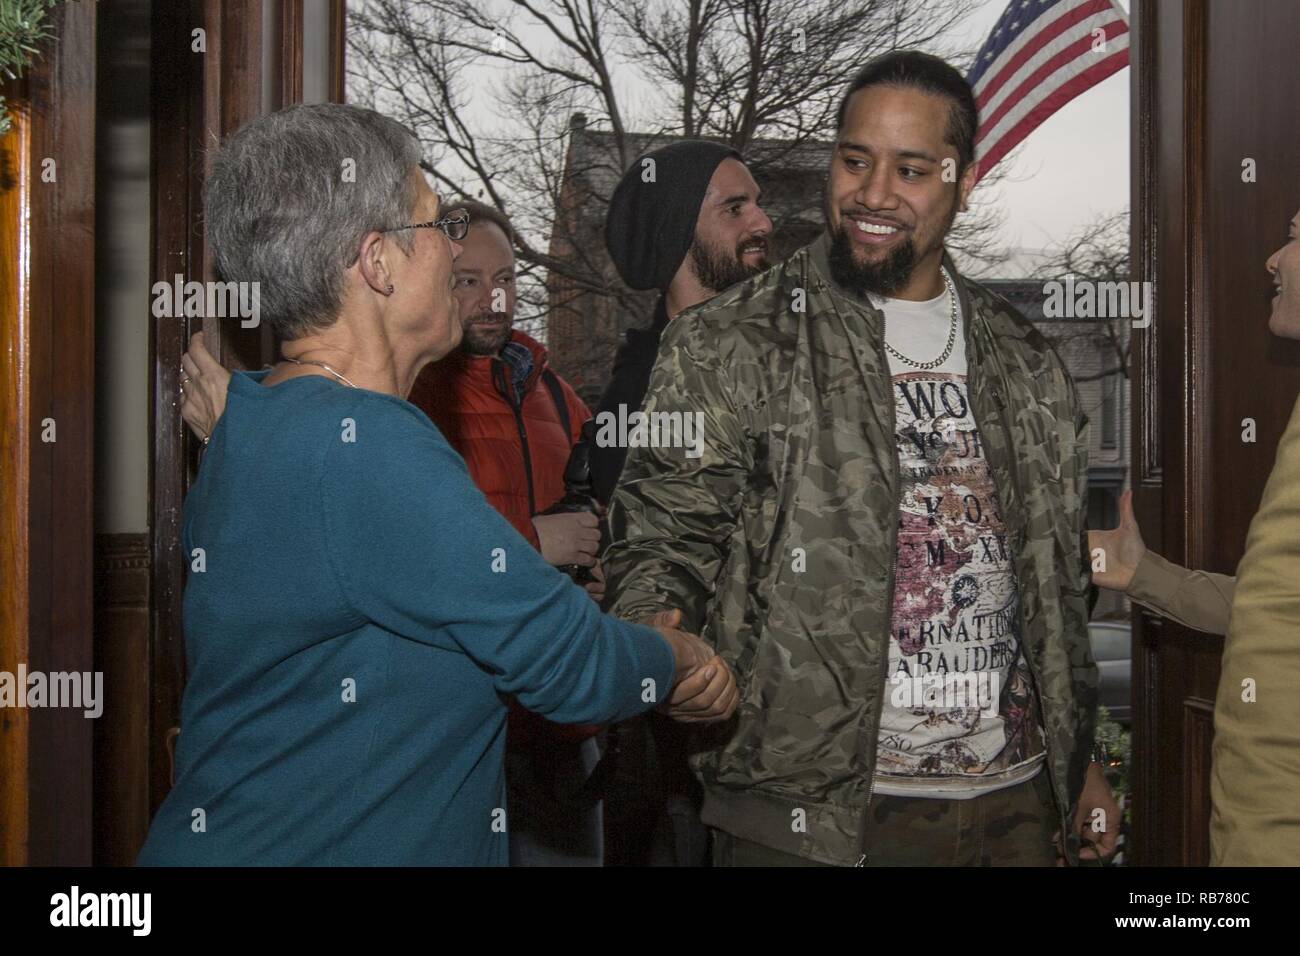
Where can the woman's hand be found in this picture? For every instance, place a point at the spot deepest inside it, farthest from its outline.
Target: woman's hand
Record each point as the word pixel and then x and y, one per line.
pixel 204 382
pixel 1122 548
pixel 704 687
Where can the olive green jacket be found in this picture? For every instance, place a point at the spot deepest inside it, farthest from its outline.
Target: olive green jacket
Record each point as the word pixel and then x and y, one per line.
pixel 777 542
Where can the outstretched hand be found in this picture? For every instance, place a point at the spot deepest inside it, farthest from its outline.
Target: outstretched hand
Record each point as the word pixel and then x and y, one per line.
pixel 704 687
pixel 1122 548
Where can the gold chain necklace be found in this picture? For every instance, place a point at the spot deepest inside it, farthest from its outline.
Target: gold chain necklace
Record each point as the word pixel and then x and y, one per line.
pixel 325 367
pixel 952 332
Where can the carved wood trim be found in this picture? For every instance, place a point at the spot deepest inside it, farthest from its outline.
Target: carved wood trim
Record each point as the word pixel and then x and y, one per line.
pixel 1146 719
pixel 122 566
pixel 290 52
pixel 1198 741
pixel 1196 447
pixel 1144 355
pixel 338 51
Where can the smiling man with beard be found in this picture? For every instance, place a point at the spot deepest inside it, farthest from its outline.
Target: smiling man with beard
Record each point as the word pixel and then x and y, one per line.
pixel 891 494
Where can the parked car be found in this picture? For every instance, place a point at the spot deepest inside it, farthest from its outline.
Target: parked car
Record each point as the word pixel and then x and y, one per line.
pixel 1112 646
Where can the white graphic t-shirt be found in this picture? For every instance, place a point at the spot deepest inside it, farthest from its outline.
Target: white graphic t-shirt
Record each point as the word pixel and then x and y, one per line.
pixel 960 717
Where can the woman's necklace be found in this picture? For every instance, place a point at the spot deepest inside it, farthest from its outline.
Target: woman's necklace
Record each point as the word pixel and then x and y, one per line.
pixel 952 332
pixel 325 367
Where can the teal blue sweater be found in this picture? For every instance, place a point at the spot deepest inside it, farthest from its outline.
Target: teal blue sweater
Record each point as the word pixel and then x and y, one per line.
pixel 355 615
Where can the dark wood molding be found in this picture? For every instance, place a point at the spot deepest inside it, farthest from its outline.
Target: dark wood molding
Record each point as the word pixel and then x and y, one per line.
pixel 198 101
pixel 1198 743
pixel 290 52
pixel 1147 69
pixel 1201 233
pixel 126 551
pixel 122 811
pixel 1196 438
pixel 338 51
pixel 237 89
pixel 177 143
pixel 232 95
pixel 118 558
pixel 1146 690
pixel 1144 354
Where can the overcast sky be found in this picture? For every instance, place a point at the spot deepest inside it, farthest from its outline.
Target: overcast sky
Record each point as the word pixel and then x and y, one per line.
pixel 1072 169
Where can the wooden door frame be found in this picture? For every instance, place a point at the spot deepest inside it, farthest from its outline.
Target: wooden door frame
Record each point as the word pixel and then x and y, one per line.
pixel 198 101
pixel 48 758
pixel 47 354
pixel 1168 158
pixel 1197 480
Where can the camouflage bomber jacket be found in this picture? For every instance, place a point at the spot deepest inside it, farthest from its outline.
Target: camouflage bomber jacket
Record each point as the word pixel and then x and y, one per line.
pixel 787 375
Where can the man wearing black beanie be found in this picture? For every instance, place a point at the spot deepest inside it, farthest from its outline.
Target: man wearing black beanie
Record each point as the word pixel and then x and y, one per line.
pixel 684 220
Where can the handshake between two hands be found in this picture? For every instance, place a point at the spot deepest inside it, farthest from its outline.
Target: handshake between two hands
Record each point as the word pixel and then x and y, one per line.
pixel 704 687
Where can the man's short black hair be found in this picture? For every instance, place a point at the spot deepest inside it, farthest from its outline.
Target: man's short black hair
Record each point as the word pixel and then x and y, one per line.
pixel 929 74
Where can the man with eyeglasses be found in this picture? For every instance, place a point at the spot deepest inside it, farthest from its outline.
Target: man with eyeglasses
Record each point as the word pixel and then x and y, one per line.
pixel 514 421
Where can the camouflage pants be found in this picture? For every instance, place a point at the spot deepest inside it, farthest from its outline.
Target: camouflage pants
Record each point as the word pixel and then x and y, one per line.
pixel 1011 827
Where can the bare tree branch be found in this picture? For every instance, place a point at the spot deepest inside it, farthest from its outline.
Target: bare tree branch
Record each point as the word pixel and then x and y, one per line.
pixel 742 71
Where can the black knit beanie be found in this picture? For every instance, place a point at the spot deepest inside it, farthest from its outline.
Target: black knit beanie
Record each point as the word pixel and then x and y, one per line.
pixel 650 225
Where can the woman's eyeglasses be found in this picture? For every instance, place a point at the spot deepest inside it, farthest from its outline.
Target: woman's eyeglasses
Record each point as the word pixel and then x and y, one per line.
pixel 454 226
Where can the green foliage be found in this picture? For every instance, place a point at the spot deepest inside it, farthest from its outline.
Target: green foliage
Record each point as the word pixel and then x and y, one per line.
pixel 22 28
pixel 1118 744
pixel 1120 748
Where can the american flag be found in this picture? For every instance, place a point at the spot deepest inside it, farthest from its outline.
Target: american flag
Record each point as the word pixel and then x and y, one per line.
pixel 1040 56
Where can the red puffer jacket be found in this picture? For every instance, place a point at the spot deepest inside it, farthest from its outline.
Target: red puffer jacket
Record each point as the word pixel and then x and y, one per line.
pixel 516 450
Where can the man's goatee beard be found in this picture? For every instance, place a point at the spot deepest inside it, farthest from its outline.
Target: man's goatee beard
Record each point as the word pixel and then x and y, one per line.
pixel 885 277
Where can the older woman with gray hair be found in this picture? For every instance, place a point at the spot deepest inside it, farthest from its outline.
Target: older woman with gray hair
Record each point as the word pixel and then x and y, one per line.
pixel 352 634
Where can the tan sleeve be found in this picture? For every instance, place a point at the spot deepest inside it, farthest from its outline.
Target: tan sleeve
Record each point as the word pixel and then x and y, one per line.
pixel 1195 599
pixel 1255 781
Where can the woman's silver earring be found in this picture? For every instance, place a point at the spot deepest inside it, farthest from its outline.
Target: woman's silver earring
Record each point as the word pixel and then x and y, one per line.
pixel 390 288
